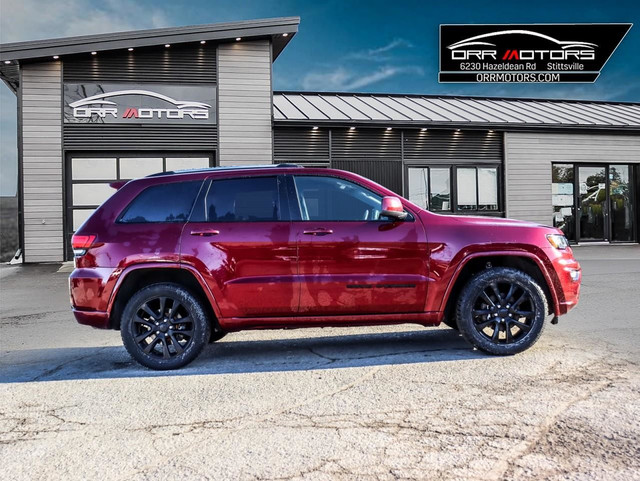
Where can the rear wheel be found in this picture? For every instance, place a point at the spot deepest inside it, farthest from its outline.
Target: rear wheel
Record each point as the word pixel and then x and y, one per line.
pixel 502 311
pixel 164 326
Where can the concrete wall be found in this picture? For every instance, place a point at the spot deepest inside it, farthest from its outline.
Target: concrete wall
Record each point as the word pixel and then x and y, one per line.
pixel 42 161
pixel 528 158
pixel 244 103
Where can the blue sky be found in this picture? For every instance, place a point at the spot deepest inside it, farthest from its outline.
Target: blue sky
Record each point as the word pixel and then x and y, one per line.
pixel 366 46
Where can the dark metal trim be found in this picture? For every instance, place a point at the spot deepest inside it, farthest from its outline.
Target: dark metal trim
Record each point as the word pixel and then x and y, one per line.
pixel 20 186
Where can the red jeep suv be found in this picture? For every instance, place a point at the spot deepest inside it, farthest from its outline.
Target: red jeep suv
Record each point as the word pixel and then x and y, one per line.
pixel 178 259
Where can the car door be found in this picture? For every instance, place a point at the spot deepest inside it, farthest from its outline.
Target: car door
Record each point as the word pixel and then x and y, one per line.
pixel 240 238
pixel 351 259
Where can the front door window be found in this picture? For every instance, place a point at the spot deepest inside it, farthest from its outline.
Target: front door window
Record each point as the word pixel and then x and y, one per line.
pixel 621 203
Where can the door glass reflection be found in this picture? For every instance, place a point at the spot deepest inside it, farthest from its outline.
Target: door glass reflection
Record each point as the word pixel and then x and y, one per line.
pixel 592 202
pixel 562 179
pixel 620 202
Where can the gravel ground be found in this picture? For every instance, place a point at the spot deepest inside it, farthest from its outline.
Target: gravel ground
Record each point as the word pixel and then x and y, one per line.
pixel 364 403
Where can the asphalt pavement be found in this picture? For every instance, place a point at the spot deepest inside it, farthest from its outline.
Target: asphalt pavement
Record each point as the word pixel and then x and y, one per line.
pixel 398 402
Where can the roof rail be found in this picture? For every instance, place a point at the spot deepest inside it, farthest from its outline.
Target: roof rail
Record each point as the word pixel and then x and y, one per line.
pixel 225 168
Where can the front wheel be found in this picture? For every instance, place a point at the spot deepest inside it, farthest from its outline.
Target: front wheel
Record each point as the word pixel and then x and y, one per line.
pixel 502 311
pixel 164 326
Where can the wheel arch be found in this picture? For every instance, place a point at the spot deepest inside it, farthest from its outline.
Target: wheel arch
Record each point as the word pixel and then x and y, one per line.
pixel 478 262
pixel 136 277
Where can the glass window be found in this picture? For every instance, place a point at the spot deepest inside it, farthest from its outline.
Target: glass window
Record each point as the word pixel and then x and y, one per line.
pixel 91 194
pixel 184 163
pixel 134 167
pixel 562 199
pixel 333 199
pixel 418 186
pixel 251 199
pixel 93 168
pixel 620 196
pixel 487 188
pixel 440 197
pixel 466 189
pixel 162 203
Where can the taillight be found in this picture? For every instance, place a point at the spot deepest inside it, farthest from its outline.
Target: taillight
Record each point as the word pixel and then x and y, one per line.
pixel 81 243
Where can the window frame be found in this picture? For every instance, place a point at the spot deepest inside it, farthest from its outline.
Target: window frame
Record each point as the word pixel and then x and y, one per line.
pixel 453 173
pixel 119 220
pixel 282 199
pixel 296 209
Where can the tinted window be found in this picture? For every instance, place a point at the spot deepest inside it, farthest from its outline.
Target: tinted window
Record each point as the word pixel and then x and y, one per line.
pixel 333 199
pixel 251 199
pixel 162 203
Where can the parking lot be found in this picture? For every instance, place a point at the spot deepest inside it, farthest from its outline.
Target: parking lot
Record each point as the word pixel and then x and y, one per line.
pixel 353 403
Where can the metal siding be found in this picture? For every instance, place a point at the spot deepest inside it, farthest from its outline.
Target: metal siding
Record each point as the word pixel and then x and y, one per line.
pixel 364 143
pixel 177 64
pixel 528 158
pixel 245 103
pixel 140 137
pixel 385 172
pixel 446 146
pixel 42 162
pixel 300 144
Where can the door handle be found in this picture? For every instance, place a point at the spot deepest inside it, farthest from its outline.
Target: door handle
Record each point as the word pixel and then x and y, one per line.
pixel 318 232
pixel 205 232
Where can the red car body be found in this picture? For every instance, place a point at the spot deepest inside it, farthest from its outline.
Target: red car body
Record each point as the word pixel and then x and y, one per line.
pixel 290 274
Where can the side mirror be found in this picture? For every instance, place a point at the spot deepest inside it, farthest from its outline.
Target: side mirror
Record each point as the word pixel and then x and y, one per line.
pixel 392 207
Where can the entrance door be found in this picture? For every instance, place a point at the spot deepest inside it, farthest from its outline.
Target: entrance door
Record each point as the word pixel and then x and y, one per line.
pixel 593 212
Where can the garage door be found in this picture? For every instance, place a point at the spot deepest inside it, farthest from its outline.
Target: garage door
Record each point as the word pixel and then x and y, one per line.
pixel 90 176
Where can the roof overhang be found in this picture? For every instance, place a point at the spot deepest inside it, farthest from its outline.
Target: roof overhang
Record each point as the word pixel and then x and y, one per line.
pixel 279 30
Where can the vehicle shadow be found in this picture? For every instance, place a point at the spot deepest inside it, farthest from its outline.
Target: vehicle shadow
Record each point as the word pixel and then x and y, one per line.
pixel 246 356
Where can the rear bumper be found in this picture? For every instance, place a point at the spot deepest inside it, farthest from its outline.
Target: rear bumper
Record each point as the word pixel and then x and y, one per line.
pixel 90 291
pixel 97 319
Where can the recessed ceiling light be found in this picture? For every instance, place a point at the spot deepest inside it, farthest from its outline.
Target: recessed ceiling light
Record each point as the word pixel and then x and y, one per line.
pixel 423 129
pixel 238 39
pixel 285 34
pixel 457 130
pixel 130 49
pixel 167 45
pixel 315 127
pixel 202 42
pixel 94 53
pixel 388 128
pixel 352 128
pixel 7 62
pixel 56 57
pixel 491 131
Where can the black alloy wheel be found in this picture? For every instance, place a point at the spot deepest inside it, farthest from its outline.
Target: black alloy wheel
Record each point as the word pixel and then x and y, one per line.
pixel 502 311
pixel 164 326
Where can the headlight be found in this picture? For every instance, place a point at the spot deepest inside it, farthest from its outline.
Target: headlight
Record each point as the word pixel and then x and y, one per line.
pixel 558 241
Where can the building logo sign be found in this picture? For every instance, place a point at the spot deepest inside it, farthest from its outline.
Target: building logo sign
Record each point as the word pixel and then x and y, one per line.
pixel 549 53
pixel 121 103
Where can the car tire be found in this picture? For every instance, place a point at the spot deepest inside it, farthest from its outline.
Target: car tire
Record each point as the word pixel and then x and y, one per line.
pixel 502 311
pixel 216 335
pixel 175 322
pixel 452 322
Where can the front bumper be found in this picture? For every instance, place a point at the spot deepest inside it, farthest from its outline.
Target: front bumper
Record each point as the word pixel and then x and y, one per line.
pixel 568 279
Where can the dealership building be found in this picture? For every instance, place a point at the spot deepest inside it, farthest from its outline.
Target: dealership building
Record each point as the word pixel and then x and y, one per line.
pixel 101 108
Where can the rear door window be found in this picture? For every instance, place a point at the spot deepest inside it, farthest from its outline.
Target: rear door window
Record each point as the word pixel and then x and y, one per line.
pixel 250 199
pixel 162 203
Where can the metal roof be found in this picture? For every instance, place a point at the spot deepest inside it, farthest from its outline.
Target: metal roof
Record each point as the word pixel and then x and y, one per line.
pixel 270 27
pixel 419 110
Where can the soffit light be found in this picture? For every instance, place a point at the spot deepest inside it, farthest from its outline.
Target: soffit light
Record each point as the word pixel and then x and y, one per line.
pixel 388 128
pixel 285 34
pixel 94 53
pixel 352 128
pixel 130 49
pixel 167 45
pixel 238 39
pixel 7 62
pixel 56 57
pixel 202 42
pixel 423 129
pixel 315 127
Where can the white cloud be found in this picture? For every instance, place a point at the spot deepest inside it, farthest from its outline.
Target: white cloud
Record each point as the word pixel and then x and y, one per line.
pixel 377 54
pixel 344 80
pixel 36 19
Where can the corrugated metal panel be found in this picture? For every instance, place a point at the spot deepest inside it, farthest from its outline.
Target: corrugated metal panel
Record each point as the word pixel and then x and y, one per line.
pixel 300 144
pixel 362 143
pixel 178 64
pixel 458 111
pixel 141 137
pixel 528 158
pixel 42 152
pixel 385 172
pixel 244 103
pixel 443 146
